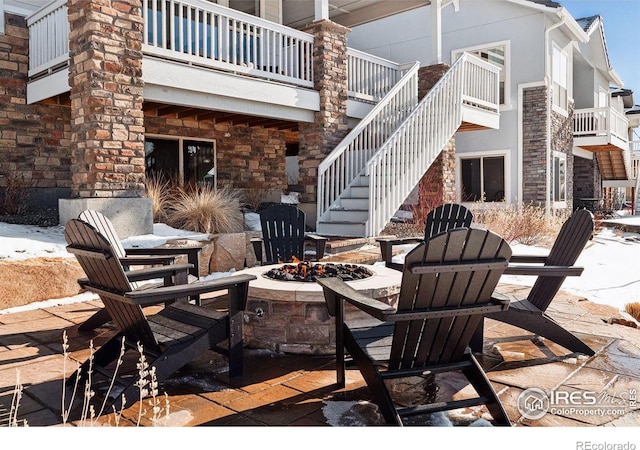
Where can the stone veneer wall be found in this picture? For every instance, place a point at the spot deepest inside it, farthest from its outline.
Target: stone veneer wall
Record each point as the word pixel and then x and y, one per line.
pixel 534 146
pixel 105 75
pixel 318 139
pixel 299 327
pixel 428 76
pixel 534 142
pixel 250 158
pixel 586 178
pixel 34 139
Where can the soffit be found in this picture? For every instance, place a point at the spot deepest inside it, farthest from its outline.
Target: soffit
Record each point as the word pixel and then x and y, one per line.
pixel 349 13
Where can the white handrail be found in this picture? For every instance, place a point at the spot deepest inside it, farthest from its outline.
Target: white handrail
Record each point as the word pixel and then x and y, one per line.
pixel 398 140
pixel 210 35
pixel 369 77
pixel 345 163
pixel 398 166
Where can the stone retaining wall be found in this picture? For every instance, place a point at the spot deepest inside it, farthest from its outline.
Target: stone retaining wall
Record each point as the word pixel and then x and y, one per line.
pixel 38 279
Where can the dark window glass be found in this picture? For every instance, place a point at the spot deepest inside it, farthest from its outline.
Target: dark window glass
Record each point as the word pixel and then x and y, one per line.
pixel 161 158
pixel 471 186
pixel 483 179
pixel 199 162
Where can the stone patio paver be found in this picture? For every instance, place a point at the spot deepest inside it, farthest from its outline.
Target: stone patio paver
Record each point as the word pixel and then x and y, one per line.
pixel 282 389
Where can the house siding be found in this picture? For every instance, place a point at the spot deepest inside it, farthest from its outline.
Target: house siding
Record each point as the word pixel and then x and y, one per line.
pixel 34 139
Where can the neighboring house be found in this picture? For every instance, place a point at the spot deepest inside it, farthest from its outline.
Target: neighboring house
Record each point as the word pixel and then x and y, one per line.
pixel 563 133
pixel 97 96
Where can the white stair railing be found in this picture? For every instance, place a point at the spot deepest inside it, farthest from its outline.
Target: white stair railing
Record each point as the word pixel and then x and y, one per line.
pixel 347 161
pixel 398 166
pixel 398 140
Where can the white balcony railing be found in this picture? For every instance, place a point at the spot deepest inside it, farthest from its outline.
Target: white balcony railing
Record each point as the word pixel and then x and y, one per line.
pixel 194 32
pixel 600 122
pixel 48 38
pixel 208 35
pixel 202 33
pixel 369 78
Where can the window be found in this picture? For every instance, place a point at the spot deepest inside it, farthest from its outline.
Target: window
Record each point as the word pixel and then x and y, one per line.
pixel 560 79
pixel 199 162
pixel 482 179
pixel 559 177
pixel 181 160
pixel 496 54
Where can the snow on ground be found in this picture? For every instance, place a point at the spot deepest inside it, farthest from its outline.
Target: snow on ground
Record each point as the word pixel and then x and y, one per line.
pixel 611 266
pixel 611 275
pixel 19 242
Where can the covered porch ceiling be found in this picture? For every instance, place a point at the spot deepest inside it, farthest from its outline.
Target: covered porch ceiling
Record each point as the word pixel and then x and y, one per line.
pixel 349 13
pixel 156 109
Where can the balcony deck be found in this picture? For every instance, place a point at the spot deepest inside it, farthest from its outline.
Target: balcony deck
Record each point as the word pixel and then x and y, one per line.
pixel 204 60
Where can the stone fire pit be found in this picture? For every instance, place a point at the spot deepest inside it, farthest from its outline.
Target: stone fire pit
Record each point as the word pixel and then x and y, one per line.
pixel 291 316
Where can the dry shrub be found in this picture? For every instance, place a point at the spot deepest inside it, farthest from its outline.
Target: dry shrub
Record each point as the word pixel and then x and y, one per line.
pixel 633 309
pixel 430 196
pixel 16 194
pixel 205 209
pixel 252 197
pixel 528 224
pixel 158 190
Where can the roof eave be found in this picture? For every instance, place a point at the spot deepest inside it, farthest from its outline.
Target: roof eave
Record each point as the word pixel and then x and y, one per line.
pixel 615 78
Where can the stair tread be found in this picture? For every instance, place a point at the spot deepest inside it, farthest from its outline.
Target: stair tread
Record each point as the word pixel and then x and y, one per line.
pixel 341 222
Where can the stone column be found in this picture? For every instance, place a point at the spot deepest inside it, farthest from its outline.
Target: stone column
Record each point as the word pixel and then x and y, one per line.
pixel 437 186
pixel 534 146
pixel 105 75
pixel 428 76
pixel 318 139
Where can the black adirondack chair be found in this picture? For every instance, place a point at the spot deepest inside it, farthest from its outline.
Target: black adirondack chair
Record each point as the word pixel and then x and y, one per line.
pixel 172 337
pixel 129 258
pixel 283 235
pixel 551 270
pixel 447 285
pixel 439 219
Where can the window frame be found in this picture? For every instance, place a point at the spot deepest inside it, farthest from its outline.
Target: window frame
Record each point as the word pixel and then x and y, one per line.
pixel 558 201
pixel 2 19
pixel 505 73
pixel 181 140
pixel 556 72
pixel 505 154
